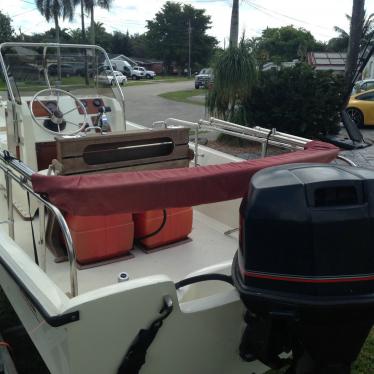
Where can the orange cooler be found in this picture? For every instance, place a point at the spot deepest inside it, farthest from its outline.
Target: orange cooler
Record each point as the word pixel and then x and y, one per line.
pixel 177 227
pixel 98 238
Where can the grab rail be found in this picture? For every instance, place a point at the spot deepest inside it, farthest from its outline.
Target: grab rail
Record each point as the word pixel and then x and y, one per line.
pixel 257 134
pixel 8 166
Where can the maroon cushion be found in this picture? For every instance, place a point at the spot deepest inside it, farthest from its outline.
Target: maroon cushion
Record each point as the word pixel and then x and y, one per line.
pixel 138 191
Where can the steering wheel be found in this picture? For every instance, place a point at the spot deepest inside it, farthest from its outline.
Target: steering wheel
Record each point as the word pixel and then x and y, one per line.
pixel 55 123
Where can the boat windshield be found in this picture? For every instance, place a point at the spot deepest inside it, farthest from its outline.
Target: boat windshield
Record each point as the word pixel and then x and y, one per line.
pixel 29 68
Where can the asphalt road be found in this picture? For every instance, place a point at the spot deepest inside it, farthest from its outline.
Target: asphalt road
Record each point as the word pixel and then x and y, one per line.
pixel 144 106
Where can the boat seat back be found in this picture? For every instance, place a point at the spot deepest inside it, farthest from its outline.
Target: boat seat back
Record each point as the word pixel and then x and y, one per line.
pixel 140 150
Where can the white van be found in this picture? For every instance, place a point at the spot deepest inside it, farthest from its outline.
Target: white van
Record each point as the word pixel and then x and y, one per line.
pixel 121 65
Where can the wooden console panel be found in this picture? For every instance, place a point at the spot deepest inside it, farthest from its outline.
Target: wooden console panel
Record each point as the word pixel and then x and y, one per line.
pixel 142 150
pixel 39 110
pixel 92 105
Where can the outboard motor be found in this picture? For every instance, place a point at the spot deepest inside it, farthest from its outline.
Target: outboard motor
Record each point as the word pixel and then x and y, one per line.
pixel 305 266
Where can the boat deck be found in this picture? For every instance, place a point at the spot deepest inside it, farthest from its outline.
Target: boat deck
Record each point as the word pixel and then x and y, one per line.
pixel 207 245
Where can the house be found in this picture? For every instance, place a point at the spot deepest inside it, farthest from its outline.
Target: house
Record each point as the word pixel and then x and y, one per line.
pixel 368 72
pixel 324 61
pixel 273 66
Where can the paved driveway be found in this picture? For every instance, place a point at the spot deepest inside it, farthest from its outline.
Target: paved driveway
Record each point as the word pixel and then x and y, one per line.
pixel 144 106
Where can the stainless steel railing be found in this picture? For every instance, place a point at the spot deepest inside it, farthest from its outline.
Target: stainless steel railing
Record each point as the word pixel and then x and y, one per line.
pixel 257 134
pixel 20 173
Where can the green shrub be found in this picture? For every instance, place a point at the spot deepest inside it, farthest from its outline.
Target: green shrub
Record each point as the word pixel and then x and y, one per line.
pixel 297 100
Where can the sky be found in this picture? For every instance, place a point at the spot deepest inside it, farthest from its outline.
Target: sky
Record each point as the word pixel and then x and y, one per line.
pixel 317 16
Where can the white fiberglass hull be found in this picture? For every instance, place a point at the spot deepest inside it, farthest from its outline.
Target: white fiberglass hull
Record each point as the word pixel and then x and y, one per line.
pixel 201 335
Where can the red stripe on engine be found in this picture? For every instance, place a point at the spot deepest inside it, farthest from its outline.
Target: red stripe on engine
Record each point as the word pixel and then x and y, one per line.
pixel 297 279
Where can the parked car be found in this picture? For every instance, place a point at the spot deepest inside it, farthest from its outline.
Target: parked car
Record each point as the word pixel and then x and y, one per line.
pixel 137 72
pixel 361 108
pixel 364 85
pixel 150 74
pixel 204 78
pixel 107 77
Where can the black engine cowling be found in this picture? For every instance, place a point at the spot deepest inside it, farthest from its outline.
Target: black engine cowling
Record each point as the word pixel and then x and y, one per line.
pixel 305 266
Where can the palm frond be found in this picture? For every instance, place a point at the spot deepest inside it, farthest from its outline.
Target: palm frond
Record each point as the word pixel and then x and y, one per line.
pixel 342 32
pixel 56 8
pixel 234 76
pixel 105 4
pixel 68 8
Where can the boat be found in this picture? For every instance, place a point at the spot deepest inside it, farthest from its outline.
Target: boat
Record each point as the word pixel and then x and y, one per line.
pixel 79 259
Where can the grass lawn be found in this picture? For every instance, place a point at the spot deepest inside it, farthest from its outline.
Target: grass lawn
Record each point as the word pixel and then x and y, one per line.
pixel 185 96
pixel 159 79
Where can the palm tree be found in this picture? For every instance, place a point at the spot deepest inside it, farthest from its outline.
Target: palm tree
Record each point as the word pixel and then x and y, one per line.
pixel 82 5
pixel 342 39
pixel 235 74
pixel 90 5
pixel 355 41
pixel 234 27
pixel 56 9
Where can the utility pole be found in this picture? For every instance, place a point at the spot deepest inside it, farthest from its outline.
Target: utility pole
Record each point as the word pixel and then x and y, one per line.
pixel 234 27
pixel 189 47
pixel 355 36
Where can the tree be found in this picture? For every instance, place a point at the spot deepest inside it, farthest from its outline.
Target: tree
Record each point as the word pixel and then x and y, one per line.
pixel 89 6
pixel 83 29
pixel 56 9
pixel 48 36
pixel 76 36
pixel 121 43
pixel 139 45
pixel 234 76
pixel 340 43
pixel 6 29
pixel 168 35
pixel 102 37
pixel 284 44
pixel 297 100
pixel 234 26
pixel 355 38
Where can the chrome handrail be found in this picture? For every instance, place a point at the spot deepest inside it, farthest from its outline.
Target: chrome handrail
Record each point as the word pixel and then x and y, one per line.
pixel 257 134
pixel 8 167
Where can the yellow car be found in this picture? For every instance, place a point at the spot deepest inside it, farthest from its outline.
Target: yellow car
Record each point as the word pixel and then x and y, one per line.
pixel 361 108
